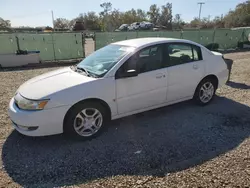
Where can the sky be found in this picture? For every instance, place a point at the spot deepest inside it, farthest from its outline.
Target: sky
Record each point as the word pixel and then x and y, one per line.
pixel 38 13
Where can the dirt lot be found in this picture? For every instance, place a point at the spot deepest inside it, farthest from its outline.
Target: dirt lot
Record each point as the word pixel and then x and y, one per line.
pixel 183 145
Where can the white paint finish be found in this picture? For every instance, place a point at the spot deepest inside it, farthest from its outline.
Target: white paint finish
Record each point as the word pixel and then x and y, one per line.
pixel 146 89
pixel 215 65
pixel 103 89
pixel 55 81
pixel 66 87
pixel 49 121
pixel 150 108
pixel 139 42
pixel 183 79
pixel 127 96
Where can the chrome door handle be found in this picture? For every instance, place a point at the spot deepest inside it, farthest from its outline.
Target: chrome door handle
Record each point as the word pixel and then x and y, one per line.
pixel 160 76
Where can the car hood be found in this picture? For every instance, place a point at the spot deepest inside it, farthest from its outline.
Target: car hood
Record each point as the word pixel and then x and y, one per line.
pixel 46 84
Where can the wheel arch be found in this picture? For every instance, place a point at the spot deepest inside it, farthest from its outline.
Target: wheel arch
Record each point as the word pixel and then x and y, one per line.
pixel 94 100
pixel 210 76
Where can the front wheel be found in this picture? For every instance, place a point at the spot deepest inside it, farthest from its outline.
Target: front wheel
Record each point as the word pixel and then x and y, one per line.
pixel 205 92
pixel 85 120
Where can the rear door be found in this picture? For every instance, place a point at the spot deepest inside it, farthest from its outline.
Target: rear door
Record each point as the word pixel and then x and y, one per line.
pixel 185 70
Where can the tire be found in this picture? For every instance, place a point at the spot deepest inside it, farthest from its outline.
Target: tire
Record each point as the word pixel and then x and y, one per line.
pixel 199 96
pixel 79 125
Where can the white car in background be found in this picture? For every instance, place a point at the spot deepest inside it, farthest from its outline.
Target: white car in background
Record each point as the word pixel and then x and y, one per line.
pixel 146 25
pixel 118 80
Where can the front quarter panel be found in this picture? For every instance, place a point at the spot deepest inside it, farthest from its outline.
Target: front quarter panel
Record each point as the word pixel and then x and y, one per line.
pixel 103 88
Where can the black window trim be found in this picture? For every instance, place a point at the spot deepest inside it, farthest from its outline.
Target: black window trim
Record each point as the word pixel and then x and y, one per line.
pixel 162 46
pixel 166 58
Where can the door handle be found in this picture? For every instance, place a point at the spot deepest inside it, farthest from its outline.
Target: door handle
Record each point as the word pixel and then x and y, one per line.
pixel 195 66
pixel 160 76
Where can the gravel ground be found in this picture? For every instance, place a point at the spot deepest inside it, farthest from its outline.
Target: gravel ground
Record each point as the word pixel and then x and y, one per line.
pixel 183 145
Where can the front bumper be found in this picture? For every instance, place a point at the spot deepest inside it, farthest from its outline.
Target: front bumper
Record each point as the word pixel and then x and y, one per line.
pixel 37 123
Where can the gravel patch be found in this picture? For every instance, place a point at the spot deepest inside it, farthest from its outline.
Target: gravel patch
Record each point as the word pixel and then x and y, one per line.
pixel 182 145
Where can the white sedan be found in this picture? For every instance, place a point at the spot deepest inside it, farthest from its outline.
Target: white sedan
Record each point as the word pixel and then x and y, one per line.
pixel 120 79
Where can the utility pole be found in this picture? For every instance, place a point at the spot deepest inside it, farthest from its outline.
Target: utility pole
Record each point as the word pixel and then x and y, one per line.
pixel 200 3
pixel 53 21
pixel 52 35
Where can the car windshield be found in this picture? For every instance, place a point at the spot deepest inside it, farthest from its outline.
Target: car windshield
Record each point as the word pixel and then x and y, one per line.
pixel 102 60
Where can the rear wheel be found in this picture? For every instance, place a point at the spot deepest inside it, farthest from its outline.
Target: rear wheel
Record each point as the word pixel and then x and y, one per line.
pixel 205 92
pixel 85 120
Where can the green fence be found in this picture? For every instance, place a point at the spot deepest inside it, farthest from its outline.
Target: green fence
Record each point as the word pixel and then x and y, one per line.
pixel 63 46
pixel 222 39
pixel 52 46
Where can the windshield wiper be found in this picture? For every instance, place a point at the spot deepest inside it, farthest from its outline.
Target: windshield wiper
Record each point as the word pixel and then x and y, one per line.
pixel 89 74
pixel 83 69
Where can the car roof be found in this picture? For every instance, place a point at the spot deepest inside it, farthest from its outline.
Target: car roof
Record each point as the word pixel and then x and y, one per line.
pixel 141 42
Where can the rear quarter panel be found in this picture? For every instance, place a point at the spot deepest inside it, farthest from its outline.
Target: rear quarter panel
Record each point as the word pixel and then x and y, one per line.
pixel 215 65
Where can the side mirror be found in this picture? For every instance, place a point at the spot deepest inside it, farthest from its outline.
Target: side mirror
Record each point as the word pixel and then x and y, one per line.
pixel 128 73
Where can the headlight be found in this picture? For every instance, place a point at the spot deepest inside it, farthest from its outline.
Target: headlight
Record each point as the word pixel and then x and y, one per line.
pixel 27 104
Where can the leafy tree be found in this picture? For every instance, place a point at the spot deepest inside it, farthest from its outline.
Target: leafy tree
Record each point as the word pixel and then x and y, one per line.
pixel 141 15
pixel 79 26
pixel 116 19
pixel 154 14
pixel 195 23
pixel 240 17
pixel 91 21
pixel 178 23
pixel 4 23
pixel 218 22
pixel 166 16
pixel 61 23
pixel 104 16
pixel 48 28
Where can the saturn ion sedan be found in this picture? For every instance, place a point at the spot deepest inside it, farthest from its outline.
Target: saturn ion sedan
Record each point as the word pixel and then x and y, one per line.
pixel 118 80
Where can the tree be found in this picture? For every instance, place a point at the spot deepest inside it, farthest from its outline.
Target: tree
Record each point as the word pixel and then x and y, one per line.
pixel 4 23
pixel 107 7
pixel 240 17
pixel 154 14
pixel 166 16
pixel 195 23
pixel 61 23
pixel 141 15
pixel 178 23
pixel 218 22
pixel 104 16
pixel 91 21
pixel 79 26
pixel 48 28
pixel 116 19
pixel 72 23
pixel 78 23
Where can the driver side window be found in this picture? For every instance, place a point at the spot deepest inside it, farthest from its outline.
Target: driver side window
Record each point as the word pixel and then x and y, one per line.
pixel 147 59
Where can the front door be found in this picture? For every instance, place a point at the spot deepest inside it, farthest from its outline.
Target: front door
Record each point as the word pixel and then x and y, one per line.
pixel 149 87
pixel 185 70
